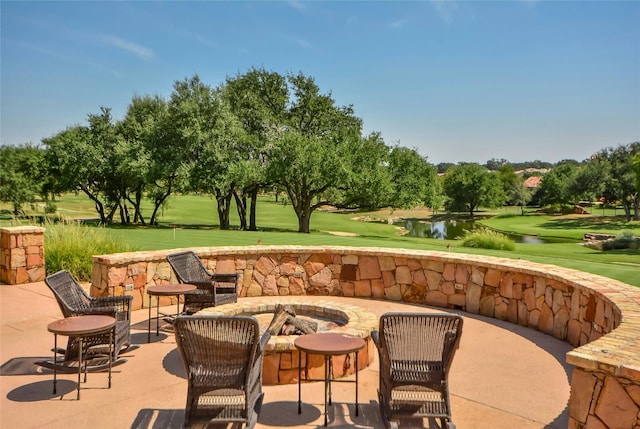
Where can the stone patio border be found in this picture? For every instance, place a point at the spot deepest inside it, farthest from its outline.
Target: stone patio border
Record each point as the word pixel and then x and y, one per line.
pixel 598 315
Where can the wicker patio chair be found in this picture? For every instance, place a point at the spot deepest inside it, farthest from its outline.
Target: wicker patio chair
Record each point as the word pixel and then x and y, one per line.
pixel 74 301
pixel 415 352
pixel 213 289
pixel 223 359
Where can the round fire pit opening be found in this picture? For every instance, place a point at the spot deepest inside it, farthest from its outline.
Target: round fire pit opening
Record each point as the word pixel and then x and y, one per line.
pixel 281 356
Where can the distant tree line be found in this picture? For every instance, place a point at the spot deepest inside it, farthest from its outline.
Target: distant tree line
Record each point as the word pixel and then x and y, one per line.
pixel 262 131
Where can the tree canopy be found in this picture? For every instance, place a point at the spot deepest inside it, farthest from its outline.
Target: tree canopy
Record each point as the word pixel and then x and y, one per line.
pixel 22 175
pixel 469 186
pixel 261 131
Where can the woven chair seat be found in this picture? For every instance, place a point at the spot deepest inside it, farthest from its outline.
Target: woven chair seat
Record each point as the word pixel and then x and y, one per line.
pixel 417 403
pixel 415 352
pixel 219 398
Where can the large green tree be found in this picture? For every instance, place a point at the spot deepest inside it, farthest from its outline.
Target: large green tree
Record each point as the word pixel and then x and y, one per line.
pixel 589 180
pixel 413 178
pixel 258 99
pixel 369 182
pixel 149 158
pixel 622 184
pixel 513 186
pixel 556 185
pixel 469 186
pixel 310 152
pixel 204 126
pixel 84 158
pixel 23 175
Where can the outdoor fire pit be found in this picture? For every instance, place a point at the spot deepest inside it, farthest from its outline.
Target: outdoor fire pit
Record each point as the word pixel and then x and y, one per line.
pixel 281 356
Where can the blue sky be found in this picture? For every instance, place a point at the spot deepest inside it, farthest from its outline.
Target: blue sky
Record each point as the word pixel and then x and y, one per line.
pixel 458 80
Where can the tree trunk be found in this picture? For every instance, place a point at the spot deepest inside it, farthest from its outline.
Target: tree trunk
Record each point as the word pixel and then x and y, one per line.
pixel 112 212
pixel 252 213
pixel 224 207
pixel 97 204
pixel 157 203
pixel 627 210
pixel 304 218
pixel 137 216
pixel 241 205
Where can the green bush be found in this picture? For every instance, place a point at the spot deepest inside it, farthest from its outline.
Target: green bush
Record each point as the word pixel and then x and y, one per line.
pixel 624 240
pixel 71 245
pixel 50 208
pixel 485 238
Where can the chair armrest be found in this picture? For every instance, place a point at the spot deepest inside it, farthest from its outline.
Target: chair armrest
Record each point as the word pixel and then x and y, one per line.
pixel 225 278
pixel 264 340
pixel 375 336
pixel 122 301
pixel 228 277
pixel 120 304
pixel 106 311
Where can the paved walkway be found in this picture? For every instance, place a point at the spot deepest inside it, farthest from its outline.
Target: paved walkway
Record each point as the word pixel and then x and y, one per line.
pixel 504 376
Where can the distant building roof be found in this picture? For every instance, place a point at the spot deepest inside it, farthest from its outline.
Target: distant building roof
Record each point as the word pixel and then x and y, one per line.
pixel 532 170
pixel 533 182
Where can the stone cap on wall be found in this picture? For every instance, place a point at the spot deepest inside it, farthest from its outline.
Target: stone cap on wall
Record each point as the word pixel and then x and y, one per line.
pixel 22 229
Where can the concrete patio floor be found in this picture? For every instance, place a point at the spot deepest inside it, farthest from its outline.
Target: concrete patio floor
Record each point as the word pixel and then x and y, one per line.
pixel 503 376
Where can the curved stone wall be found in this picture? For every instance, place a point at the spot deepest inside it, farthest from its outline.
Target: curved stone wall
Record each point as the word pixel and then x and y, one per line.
pixel 598 315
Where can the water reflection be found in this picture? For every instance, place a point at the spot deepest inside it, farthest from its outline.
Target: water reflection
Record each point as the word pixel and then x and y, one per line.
pixel 443 230
pixel 452 229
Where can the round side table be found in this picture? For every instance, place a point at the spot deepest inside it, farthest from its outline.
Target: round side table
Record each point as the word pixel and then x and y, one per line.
pixel 81 327
pixel 327 344
pixel 174 289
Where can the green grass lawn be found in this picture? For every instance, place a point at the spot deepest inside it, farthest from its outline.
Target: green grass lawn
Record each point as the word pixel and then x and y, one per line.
pixel 195 221
pixel 571 226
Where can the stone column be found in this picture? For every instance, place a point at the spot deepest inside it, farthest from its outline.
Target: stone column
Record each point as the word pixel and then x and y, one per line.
pixel 21 255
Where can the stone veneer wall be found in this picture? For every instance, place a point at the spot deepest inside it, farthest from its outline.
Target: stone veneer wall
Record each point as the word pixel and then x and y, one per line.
pixel 21 254
pixel 598 315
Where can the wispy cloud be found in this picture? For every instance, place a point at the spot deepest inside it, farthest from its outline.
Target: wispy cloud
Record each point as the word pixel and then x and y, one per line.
pixel 297 5
pixel 303 43
pixel 63 56
pixel 445 9
pixel 134 48
pixel 399 23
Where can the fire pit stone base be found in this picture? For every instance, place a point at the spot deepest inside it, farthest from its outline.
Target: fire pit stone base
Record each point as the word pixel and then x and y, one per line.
pixel 281 356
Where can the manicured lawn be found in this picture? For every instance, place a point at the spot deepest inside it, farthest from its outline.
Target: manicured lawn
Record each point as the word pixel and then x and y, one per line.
pixel 570 226
pixel 195 222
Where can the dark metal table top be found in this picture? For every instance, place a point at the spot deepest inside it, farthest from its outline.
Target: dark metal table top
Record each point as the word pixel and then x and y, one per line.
pixel 329 343
pixel 171 289
pixel 81 325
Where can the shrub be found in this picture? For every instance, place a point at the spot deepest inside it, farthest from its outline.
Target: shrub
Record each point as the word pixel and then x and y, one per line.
pixel 50 208
pixel 485 238
pixel 71 245
pixel 624 240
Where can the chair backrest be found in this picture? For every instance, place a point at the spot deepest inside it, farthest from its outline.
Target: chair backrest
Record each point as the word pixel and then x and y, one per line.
pixel 188 267
pixel 420 337
pixel 71 297
pixel 218 351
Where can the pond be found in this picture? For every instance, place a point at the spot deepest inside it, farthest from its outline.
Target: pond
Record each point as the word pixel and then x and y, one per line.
pixel 452 229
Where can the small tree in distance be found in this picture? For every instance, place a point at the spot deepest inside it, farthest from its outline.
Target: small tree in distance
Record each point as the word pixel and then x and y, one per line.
pixel 469 186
